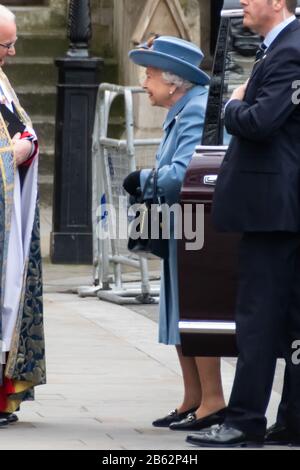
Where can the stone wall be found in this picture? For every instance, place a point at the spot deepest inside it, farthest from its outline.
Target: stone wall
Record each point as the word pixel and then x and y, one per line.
pixel 102 24
pixel 127 14
pixel 113 22
pixel 205 25
pixel 59 5
pixel 191 9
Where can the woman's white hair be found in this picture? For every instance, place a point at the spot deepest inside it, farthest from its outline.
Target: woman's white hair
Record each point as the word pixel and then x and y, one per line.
pixel 173 79
pixel 6 14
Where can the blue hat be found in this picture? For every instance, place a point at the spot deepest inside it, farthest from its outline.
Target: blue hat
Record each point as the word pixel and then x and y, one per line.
pixel 173 55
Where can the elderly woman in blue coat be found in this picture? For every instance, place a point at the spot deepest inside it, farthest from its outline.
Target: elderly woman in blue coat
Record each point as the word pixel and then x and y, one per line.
pixel 175 81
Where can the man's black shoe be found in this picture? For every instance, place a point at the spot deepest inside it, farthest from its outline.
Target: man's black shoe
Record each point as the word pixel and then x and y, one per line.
pixel 277 434
pixel 191 423
pixel 12 418
pixel 171 418
pixel 3 422
pixel 9 417
pixel 280 435
pixel 224 436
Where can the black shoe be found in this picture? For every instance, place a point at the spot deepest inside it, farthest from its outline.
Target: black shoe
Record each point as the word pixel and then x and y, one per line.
pixel 224 436
pixel 281 435
pixel 3 422
pixel 277 434
pixel 12 418
pixel 191 423
pixel 172 417
pixel 9 417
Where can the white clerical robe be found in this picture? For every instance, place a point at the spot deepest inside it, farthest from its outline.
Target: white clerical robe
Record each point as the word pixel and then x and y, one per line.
pixel 19 240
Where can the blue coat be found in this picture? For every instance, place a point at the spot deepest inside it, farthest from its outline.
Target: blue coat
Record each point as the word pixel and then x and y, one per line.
pixel 182 132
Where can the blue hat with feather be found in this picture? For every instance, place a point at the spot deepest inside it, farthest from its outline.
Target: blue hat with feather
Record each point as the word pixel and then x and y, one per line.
pixel 173 55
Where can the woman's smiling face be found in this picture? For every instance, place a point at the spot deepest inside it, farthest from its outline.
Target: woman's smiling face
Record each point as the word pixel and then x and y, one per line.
pixel 159 91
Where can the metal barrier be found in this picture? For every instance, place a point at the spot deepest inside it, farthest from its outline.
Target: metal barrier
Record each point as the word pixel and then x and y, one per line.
pixel 112 161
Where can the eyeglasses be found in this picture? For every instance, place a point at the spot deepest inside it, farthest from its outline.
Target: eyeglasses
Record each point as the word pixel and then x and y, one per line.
pixel 10 45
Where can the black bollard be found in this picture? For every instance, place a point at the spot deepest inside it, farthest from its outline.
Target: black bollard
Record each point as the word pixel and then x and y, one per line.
pixel 78 81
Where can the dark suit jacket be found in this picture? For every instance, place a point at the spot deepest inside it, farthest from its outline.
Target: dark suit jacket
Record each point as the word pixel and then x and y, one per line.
pixel 258 188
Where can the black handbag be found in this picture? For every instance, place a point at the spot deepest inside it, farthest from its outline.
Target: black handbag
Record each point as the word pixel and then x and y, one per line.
pixel 147 233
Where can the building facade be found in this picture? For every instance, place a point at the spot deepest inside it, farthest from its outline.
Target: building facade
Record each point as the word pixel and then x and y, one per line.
pixel 116 25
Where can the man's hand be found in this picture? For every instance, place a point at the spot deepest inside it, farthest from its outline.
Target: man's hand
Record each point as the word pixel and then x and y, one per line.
pixel 22 148
pixel 239 92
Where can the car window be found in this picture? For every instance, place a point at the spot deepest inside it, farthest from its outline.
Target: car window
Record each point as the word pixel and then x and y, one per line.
pixel 242 45
pixel 234 59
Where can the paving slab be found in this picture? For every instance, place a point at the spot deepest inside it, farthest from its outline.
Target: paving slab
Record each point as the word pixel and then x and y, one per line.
pixel 108 379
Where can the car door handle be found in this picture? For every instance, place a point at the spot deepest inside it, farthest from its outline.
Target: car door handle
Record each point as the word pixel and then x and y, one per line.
pixel 210 180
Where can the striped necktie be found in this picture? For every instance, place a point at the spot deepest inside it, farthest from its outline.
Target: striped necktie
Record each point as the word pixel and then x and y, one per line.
pixel 260 52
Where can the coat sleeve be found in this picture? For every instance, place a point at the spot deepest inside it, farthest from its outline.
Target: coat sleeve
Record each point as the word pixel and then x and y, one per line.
pixel 274 100
pixel 187 134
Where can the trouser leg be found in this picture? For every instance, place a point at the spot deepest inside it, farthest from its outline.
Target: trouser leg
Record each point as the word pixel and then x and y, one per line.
pixel 267 263
pixel 291 389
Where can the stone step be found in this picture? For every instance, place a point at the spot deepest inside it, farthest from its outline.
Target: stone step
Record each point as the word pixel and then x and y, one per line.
pixel 41 71
pixel 42 100
pixel 44 127
pixel 53 43
pixel 46 193
pixel 28 18
pixel 46 156
pixel 36 71
pixel 46 160
pixel 46 179
pixel 37 100
pixel 116 128
pixel 46 172
pixel 110 72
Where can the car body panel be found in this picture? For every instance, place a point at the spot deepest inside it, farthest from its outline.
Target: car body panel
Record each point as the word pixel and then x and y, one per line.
pixel 207 277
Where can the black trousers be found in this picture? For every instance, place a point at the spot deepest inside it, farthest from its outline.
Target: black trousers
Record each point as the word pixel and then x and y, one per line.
pixel 268 324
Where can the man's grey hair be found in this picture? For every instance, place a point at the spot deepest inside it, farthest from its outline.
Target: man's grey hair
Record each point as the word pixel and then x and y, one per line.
pixel 173 79
pixel 6 14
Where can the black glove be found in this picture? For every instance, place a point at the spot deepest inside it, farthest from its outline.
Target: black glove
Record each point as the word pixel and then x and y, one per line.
pixel 132 183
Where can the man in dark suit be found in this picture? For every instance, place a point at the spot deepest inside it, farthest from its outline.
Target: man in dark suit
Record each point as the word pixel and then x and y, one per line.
pixel 258 194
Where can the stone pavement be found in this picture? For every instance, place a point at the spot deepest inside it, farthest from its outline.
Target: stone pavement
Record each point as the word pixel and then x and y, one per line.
pixel 107 376
pixel 107 380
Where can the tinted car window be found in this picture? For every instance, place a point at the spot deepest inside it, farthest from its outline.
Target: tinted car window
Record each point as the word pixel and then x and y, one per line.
pixel 240 57
pixel 235 56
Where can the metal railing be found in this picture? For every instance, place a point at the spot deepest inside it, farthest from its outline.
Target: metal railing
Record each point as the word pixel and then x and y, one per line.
pixel 112 161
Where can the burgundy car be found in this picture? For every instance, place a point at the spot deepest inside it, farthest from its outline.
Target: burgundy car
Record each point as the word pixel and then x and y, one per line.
pixel 208 277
